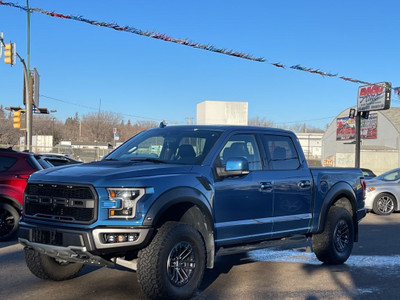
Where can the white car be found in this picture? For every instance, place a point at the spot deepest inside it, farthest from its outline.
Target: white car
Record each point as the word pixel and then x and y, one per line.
pixel 383 193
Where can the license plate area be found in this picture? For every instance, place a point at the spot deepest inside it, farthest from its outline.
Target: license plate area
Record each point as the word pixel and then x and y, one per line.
pixel 48 237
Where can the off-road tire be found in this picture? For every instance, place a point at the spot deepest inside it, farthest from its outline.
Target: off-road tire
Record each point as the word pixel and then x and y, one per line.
pixel 49 268
pixel 384 204
pixel 167 256
pixel 334 245
pixel 9 221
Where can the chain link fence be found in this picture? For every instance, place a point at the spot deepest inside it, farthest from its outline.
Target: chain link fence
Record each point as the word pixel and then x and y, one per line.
pixel 82 154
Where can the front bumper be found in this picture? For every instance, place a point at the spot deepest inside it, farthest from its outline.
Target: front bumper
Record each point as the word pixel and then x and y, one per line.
pixel 71 253
pixel 369 199
pixel 89 240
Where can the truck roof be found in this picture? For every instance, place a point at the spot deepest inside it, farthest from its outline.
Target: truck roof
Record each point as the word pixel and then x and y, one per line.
pixel 226 128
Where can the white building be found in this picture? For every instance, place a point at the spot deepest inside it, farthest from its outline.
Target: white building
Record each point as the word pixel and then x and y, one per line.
pixel 311 144
pixel 42 143
pixel 222 113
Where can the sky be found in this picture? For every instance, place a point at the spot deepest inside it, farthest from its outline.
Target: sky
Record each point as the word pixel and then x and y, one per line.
pixel 84 68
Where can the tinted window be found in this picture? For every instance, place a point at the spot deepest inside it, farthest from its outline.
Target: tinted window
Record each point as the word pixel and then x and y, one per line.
pixel 56 162
pixel 241 145
pixel 34 163
pixel 43 163
pixel 7 162
pixel 281 152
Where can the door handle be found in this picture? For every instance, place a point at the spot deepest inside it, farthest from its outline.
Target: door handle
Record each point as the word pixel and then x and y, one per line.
pixel 304 184
pixel 266 186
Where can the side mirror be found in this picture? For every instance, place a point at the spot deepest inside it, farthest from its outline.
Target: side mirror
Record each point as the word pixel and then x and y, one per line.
pixel 235 166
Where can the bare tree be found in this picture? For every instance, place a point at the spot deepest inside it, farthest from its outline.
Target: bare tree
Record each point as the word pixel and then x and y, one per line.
pixel 100 126
pixel 257 121
pixel 9 135
pixel 302 127
pixel 71 129
pixel 298 127
pixel 90 127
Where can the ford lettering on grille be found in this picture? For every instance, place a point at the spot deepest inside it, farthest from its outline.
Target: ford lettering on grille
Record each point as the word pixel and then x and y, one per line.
pixel 66 203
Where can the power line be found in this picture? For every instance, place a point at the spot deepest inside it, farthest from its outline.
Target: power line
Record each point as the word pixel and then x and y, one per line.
pixel 97 108
pixel 310 120
pixel 68 102
pixel 188 118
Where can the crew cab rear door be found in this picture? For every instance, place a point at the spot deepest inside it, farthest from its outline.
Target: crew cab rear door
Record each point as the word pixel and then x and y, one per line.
pixel 291 182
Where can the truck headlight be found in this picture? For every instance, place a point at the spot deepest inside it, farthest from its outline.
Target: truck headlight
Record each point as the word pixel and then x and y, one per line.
pixel 127 197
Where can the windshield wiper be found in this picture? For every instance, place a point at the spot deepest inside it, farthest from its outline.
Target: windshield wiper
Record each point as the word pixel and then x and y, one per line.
pixel 154 160
pixel 111 159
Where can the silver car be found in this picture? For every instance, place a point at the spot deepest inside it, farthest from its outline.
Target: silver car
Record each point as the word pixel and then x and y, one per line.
pixel 383 193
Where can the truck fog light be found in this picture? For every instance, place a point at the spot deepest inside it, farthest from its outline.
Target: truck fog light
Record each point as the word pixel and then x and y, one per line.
pixel 133 237
pixel 109 238
pixel 116 237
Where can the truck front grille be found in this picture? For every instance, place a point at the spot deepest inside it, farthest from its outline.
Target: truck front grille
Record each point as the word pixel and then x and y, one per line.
pixel 62 203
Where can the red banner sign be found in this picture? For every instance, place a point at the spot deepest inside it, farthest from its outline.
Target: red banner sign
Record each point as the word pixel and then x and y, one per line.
pixel 346 128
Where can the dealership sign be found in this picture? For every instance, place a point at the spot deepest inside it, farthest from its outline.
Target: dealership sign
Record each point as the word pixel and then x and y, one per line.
pixel 346 128
pixel 374 96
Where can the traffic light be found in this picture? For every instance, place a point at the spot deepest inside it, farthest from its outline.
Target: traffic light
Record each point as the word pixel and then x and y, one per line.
pixel 9 53
pixel 17 119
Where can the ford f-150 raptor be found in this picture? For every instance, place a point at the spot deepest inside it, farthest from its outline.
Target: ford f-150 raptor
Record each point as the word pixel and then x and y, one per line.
pixel 170 199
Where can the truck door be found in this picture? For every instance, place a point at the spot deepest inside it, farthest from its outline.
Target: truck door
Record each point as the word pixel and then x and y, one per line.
pixel 242 205
pixel 292 185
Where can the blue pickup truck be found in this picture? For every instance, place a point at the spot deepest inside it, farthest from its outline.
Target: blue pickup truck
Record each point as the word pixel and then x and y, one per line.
pixel 171 199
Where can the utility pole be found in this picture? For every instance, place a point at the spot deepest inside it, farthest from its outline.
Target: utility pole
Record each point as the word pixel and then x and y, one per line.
pixel 358 139
pixel 189 120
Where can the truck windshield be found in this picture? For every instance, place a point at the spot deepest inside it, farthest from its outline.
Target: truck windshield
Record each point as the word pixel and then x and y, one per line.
pixel 167 145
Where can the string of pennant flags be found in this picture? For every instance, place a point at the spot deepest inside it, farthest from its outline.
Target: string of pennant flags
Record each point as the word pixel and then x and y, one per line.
pixel 190 43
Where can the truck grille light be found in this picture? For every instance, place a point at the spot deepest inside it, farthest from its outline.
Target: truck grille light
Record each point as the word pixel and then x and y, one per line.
pixel 111 238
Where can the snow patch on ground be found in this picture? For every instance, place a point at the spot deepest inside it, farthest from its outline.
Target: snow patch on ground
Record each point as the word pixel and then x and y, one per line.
pixel 366 291
pixel 387 262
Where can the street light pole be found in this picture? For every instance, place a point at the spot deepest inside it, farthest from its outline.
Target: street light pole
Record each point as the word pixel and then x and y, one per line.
pixel 28 104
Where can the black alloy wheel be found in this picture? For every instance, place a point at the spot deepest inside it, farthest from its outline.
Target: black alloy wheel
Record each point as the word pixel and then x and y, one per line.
pixel 181 264
pixel 341 236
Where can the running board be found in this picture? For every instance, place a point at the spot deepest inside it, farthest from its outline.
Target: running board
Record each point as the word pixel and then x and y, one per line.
pixel 296 239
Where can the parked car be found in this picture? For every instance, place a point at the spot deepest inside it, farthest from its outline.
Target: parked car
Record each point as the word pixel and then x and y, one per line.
pixel 383 193
pixel 15 169
pixel 59 159
pixel 368 174
pixel 170 199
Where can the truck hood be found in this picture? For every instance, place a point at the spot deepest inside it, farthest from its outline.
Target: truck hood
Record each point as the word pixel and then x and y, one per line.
pixel 97 173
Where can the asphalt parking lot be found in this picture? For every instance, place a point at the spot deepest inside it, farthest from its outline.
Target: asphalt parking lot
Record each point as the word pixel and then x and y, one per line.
pixel 372 272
